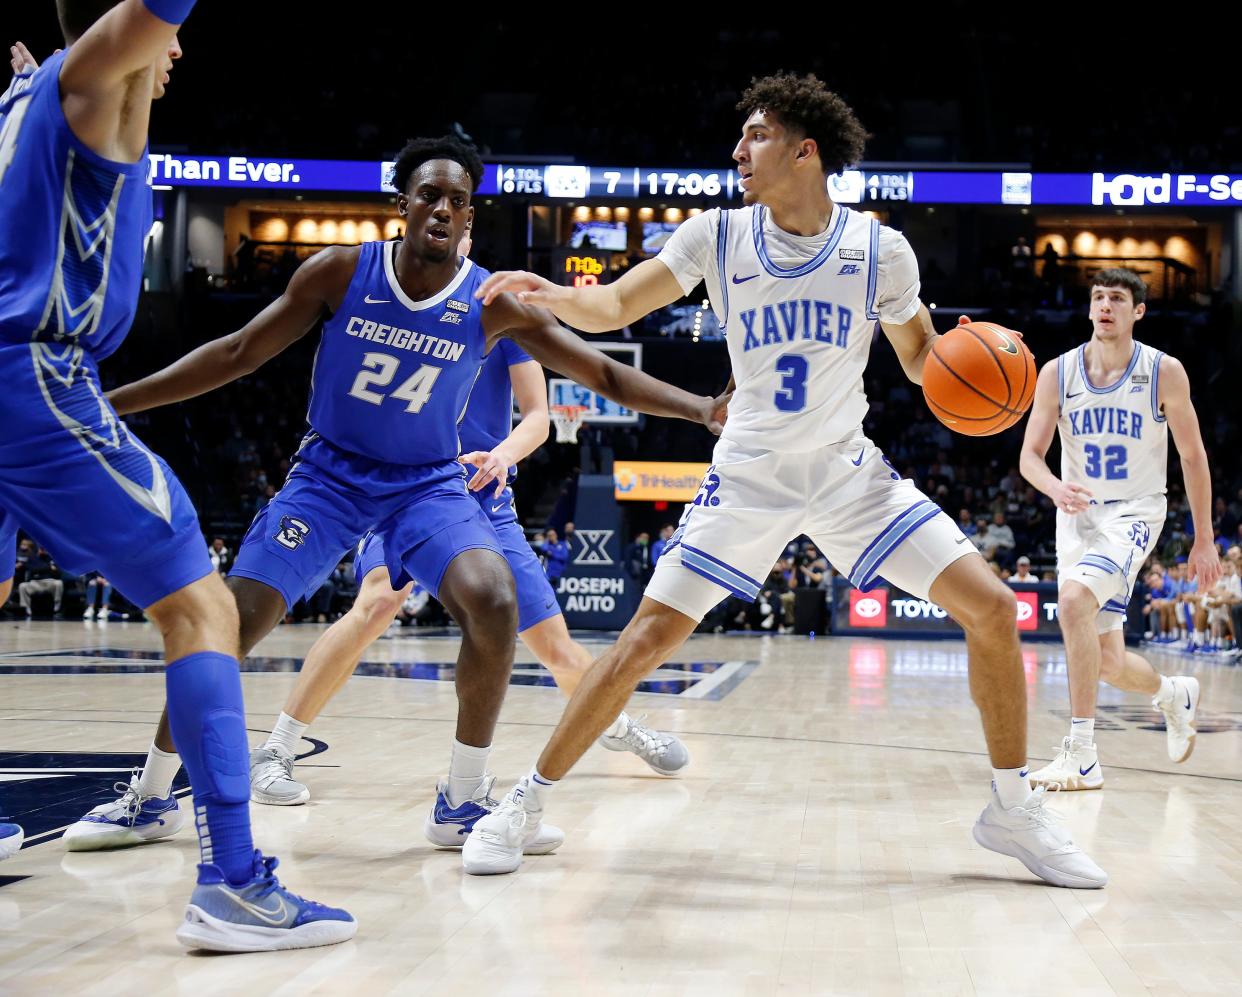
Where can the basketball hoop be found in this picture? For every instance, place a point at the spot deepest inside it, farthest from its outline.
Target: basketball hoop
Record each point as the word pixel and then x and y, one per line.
pixel 568 420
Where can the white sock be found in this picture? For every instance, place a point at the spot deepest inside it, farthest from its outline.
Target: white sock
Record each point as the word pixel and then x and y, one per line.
pixel 466 769
pixel 286 735
pixel 537 789
pixel 1082 730
pixel 159 772
pixel 1167 691
pixel 1200 638
pixel 620 727
pixel 1012 785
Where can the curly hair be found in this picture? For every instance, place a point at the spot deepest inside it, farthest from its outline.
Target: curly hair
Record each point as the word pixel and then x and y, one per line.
pixel 805 106
pixel 420 150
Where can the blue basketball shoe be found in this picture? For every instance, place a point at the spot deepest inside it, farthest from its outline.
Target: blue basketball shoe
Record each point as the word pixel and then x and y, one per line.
pixel 11 837
pixel 449 827
pixel 133 819
pixel 258 916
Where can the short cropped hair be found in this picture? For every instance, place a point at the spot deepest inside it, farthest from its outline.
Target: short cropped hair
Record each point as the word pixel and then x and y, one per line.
pixel 421 150
pixel 76 16
pixel 805 106
pixel 1122 277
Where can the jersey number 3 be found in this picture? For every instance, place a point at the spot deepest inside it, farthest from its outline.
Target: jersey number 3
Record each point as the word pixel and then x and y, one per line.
pixel 1114 462
pixel 378 370
pixel 791 397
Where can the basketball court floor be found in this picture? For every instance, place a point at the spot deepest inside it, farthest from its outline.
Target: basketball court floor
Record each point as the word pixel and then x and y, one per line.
pixel 819 842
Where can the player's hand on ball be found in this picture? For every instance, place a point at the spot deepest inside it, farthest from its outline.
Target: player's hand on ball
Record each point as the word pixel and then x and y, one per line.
pixel 1204 564
pixel 491 467
pixel 1071 499
pixel 528 288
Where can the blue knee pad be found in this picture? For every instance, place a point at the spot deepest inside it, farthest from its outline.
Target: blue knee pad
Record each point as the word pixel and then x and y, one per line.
pixel 208 721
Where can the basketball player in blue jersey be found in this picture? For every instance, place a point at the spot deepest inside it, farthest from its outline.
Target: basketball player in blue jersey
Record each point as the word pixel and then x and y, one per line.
pixel 402 345
pixel 74 214
pixel 1113 401
pixel 798 284
pixel 495 451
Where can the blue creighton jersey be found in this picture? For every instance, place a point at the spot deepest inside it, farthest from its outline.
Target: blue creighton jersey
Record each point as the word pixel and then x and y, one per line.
pixel 392 375
pixel 72 225
pixel 489 417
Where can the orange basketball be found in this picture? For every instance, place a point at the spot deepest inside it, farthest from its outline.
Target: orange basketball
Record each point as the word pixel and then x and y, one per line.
pixel 979 379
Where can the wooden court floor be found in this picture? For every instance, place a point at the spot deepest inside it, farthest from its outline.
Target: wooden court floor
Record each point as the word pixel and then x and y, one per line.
pixel 819 842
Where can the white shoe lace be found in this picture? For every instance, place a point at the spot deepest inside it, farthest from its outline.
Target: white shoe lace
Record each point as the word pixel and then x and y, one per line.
pixel 277 767
pixel 644 740
pixel 513 812
pixel 129 806
pixel 1037 810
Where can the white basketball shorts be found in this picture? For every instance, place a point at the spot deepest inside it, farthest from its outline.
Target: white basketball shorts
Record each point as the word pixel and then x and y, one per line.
pixel 871 524
pixel 1104 549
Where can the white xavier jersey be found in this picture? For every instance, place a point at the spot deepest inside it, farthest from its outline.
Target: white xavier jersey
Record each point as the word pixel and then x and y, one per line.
pixel 798 315
pixel 1114 440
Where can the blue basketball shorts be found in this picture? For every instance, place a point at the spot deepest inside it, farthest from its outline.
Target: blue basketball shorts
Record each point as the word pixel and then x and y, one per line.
pixel 332 498
pixel 74 477
pixel 498 522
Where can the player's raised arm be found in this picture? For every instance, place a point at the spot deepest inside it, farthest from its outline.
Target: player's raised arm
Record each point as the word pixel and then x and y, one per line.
pixel 128 38
pixel 596 308
pixel 1179 410
pixel 1040 426
pixel 318 285
pixel 531 394
pixel 558 349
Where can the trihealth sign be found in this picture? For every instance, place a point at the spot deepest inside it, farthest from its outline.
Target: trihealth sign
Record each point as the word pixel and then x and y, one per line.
pixel 656 481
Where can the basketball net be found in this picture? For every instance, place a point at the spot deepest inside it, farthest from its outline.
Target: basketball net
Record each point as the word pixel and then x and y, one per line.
pixel 568 420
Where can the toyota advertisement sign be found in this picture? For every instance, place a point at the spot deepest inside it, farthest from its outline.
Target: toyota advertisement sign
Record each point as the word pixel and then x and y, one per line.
pixel 893 611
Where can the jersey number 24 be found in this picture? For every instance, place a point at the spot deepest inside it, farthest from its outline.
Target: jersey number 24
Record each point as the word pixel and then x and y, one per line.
pixel 378 370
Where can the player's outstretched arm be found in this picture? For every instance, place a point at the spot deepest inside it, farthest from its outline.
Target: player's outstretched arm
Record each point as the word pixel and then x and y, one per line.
pixel 1040 427
pixel 596 308
pixel 128 38
pixel 558 349
pixel 318 284
pixel 1179 410
pixel 530 392
pixel 912 341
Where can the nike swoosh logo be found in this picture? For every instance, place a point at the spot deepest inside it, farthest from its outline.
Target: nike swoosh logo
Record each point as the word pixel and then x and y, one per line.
pixel 1084 771
pixel 377 301
pixel 743 280
pixel 497 508
pixel 962 541
pixel 1007 344
pixel 1187 699
pixel 857 462
pixel 1024 773
pixel 275 917
pixel 1074 395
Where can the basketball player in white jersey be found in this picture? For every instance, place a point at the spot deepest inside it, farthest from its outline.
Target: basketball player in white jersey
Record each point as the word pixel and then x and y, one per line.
pixel 1113 401
pixel 798 284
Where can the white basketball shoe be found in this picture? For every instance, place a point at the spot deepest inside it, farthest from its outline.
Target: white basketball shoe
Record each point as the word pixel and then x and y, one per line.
pixel 1031 833
pixel 496 843
pixel 1179 716
pixel 1076 766
pixel 133 819
pixel 663 752
pixel 271 779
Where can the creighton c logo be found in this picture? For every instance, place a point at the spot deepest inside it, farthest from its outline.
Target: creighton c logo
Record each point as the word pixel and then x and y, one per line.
pixel 292 533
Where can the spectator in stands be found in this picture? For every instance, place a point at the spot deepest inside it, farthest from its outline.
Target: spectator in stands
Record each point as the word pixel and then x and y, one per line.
pixel 637 559
pixel 98 590
pixel 1158 607
pixel 1023 575
pixel 998 543
pixel 42 576
pixel 813 569
pixel 966 523
pixel 776 599
pixel 980 536
pixel 556 554
pixel 221 556
pixel 658 548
